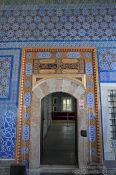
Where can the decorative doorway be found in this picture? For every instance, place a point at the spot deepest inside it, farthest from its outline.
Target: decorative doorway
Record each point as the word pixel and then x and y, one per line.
pixel 41 90
pixel 48 70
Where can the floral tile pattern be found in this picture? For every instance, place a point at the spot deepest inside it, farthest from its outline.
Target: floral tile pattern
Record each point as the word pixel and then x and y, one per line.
pixel 58 23
pixel 8 120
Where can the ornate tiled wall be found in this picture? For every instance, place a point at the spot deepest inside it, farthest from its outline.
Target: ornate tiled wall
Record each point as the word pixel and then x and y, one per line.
pixel 107 64
pixel 8 120
pixel 46 26
pixel 10 60
pixel 58 23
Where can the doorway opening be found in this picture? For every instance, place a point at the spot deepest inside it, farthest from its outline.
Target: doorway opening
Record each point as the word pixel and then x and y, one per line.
pixel 59 130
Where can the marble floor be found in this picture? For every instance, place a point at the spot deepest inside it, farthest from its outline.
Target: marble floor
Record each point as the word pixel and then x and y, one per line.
pixel 58 150
pixel 59 144
pixel 61 174
pixel 50 174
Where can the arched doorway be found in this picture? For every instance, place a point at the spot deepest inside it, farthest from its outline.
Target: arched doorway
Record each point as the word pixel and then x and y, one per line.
pixel 74 71
pixel 41 90
pixel 59 130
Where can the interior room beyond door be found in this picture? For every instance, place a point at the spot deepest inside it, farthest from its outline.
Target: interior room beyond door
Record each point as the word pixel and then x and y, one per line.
pixel 59 130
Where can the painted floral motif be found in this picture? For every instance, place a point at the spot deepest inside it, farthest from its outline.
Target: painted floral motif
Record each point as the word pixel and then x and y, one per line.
pixel 89 68
pixel 73 55
pixel 25 132
pixel 88 55
pixel 90 100
pixel 8 133
pixel 28 84
pixel 44 55
pixel 26 115
pixel 58 55
pixel 27 99
pixel 92 133
pixel 28 69
pixel 89 84
pixel 91 116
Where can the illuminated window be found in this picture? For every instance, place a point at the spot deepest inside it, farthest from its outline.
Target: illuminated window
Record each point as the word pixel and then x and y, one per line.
pixel 112 112
pixel 55 104
pixel 67 104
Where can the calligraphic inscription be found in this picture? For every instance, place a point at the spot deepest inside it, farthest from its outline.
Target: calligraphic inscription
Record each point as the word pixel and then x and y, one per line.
pixel 47 66
pixel 58 66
